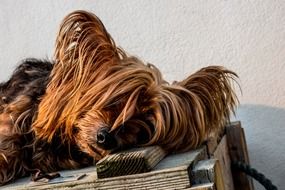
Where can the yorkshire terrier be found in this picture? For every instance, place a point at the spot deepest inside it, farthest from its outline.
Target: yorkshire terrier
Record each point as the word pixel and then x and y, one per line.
pixel 96 99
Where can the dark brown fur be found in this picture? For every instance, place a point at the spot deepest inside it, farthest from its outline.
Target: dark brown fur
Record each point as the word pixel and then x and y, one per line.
pixel 19 98
pixel 20 152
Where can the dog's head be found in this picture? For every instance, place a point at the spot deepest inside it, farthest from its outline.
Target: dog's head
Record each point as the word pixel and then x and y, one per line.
pixel 98 98
pixel 125 108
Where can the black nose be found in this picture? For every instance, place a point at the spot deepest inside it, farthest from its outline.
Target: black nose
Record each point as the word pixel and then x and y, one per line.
pixel 106 140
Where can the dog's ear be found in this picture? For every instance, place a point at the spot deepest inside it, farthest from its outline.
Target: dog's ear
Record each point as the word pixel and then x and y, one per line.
pixel 214 87
pixel 84 54
pixel 83 44
pixel 193 108
pixel 82 34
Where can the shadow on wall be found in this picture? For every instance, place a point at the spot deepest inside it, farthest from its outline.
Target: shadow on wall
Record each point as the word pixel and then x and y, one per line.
pixel 265 135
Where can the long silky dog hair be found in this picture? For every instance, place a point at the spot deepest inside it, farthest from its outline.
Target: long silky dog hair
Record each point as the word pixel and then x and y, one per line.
pixel 103 99
pixel 96 99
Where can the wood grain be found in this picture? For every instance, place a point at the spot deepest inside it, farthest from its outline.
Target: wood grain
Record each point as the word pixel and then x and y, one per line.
pixel 222 154
pixel 129 162
pixel 238 152
pixel 207 186
pixel 208 171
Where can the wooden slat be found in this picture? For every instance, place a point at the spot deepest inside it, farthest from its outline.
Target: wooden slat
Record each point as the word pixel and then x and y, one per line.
pixel 129 162
pixel 208 171
pixel 219 178
pixel 188 159
pixel 207 186
pixel 222 154
pixel 238 152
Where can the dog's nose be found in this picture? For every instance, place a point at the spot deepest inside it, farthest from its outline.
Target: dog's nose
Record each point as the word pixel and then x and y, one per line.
pixel 106 140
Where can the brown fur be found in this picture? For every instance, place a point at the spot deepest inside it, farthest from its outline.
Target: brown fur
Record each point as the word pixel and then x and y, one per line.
pixel 110 89
pixel 100 99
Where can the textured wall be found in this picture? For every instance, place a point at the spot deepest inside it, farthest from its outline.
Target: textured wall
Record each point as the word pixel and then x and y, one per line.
pixel 180 36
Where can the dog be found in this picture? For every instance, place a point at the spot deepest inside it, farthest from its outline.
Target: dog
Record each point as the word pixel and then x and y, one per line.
pixel 107 100
pixel 98 99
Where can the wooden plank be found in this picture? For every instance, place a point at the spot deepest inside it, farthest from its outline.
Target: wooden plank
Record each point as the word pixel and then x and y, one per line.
pixel 171 173
pixel 208 171
pixel 238 152
pixel 219 178
pixel 188 159
pixel 207 186
pixel 222 154
pixel 129 162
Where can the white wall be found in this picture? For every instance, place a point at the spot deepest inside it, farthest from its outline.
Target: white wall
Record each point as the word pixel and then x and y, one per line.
pixel 180 36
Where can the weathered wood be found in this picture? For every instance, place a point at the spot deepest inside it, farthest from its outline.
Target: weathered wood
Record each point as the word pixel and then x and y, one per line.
pixel 238 152
pixel 207 186
pixel 208 171
pixel 220 184
pixel 129 162
pixel 67 176
pixel 171 173
pixel 222 154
